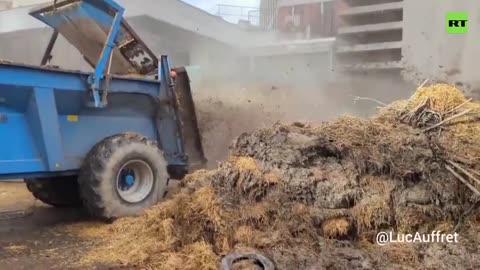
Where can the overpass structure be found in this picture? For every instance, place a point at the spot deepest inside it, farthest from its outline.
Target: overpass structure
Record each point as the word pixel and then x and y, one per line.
pixel 191 35
pixel 177 13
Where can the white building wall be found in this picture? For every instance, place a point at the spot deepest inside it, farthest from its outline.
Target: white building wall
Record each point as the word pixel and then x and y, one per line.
pixel 429 52
pixel 22 3
pixel 188 35
pixel 174 12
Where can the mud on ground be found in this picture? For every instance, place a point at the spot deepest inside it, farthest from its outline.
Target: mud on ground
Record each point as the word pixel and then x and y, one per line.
pixel 36 236
pixel 27 237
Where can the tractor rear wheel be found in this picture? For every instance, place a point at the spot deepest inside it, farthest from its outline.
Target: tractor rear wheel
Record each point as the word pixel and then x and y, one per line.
pixel 60 192
pixel 123 175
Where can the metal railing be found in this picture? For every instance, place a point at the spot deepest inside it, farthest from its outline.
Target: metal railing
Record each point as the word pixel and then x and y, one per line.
pixel 235 14
pixel 267 19
pixel 262 18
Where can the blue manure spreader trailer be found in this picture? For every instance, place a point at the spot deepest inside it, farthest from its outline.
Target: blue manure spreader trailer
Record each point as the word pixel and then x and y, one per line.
pixel 108 140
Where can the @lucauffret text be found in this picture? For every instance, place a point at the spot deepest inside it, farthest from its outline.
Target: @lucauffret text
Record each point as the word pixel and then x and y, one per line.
pixel 384 238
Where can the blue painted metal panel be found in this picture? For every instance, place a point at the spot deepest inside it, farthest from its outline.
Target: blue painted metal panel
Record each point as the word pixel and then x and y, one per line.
pixel 139 117
pixel 46 125
pixel 79 10
pixel 16 142
pixel 9 168
pixel 42 136
pixel 42 175
pixel 36 132
pixel 87 23
pixel 77 142
pixel 14 101
pixel 18 151
pixel 168 119
pixel 49 127
pixel 96 79
pixel 86 10
pixel 14 76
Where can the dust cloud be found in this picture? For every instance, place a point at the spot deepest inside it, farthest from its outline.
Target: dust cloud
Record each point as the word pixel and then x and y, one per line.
pixel 240 99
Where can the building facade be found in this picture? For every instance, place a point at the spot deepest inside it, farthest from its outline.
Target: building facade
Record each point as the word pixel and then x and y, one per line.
pixel 189 35
pixel 5 5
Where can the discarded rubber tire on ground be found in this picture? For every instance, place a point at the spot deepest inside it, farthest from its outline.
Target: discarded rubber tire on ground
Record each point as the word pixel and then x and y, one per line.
pixel 59 192
pixel 232 258
pixel 122 175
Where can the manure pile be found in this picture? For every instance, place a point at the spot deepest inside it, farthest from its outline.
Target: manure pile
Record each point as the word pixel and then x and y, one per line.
pixel 314 197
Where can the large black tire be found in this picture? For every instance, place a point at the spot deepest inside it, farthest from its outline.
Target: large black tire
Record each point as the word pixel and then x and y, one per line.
pixel 60 192
pixel 105 165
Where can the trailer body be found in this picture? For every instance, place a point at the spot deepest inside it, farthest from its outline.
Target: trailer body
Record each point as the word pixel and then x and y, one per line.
pixel 58 124
pixel 46 127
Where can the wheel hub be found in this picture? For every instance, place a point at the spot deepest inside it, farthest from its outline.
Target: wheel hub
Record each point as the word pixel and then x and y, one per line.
pixel 127 179
pixel 134 181
pixel 130 179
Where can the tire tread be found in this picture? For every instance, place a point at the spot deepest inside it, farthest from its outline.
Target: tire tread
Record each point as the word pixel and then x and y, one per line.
pixel 61 192
pixel 96 163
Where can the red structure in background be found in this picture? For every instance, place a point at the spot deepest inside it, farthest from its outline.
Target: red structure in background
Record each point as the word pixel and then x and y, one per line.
pixel 340 5
pixel 317 18
pixel 299 17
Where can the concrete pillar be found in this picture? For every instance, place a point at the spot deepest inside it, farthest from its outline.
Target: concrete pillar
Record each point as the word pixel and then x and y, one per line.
pixel 268 13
